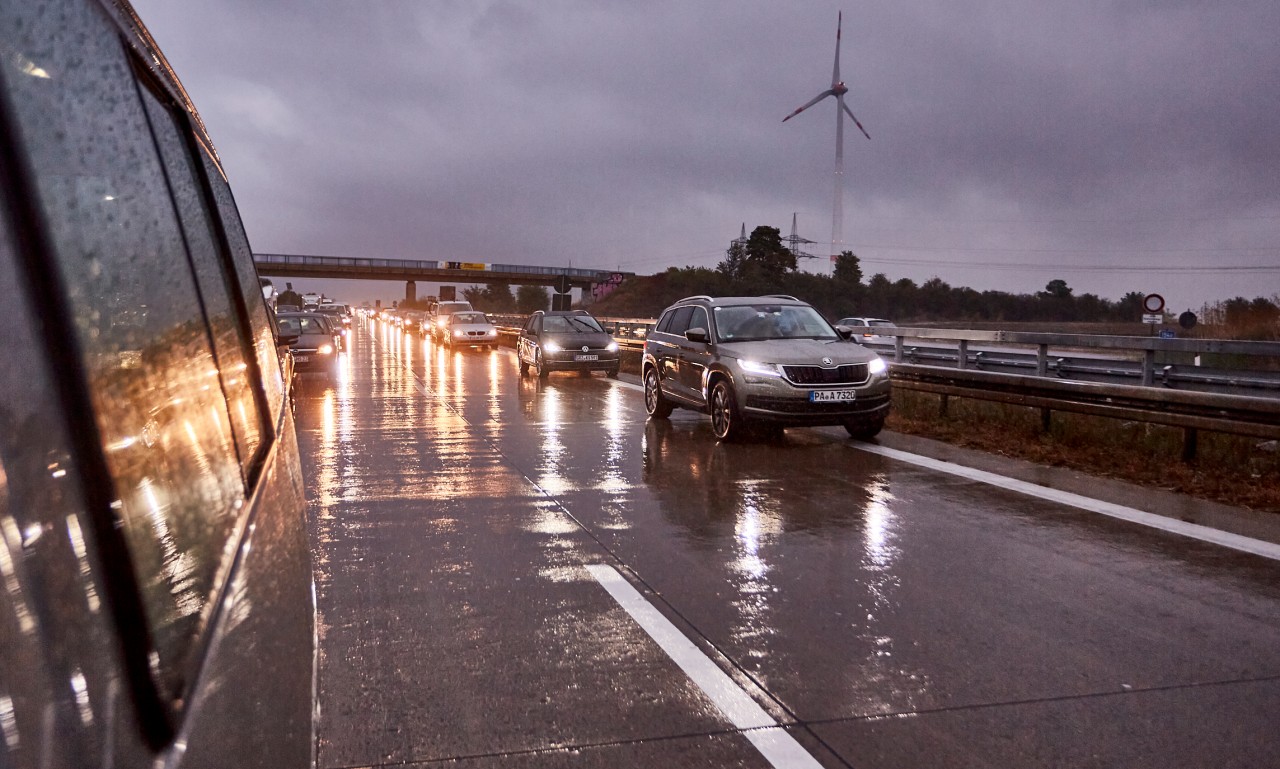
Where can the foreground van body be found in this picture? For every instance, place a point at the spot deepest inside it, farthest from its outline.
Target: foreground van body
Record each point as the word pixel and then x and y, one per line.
pixel 157 607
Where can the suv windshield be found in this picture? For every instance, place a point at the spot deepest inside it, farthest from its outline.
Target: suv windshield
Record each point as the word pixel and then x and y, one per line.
pixel 569 324
pixel 754 322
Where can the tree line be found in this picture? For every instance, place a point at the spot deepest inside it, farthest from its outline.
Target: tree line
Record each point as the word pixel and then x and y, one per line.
pixel 497 298
pixel 764 265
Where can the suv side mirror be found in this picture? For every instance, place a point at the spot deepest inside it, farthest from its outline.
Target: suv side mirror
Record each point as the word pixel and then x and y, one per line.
pixel 845 332
pixel 697 335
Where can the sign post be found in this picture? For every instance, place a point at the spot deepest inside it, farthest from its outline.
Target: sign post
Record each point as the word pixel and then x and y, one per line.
pixel 1153 311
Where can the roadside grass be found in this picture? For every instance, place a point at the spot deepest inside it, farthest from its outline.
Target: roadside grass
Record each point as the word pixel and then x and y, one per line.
pixel 1231 469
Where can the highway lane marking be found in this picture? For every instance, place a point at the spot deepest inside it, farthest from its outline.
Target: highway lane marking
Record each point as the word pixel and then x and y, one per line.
pixel 1133 515
pixel 777 745
pixel 638 388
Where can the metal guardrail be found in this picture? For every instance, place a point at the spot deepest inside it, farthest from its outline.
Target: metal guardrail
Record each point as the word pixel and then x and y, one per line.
pixel 1060 378
pixel 1190 410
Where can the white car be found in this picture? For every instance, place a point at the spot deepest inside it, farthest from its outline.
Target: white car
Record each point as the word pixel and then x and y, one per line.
pixel 468 328
pixel 869 322
pixel 438 315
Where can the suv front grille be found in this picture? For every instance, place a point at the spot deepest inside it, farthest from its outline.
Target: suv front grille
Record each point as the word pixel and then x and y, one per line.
pixel 851 373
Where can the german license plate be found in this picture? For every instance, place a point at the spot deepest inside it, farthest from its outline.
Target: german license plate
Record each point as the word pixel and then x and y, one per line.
pixel 301 358
pixel 586 357
pixel 832 396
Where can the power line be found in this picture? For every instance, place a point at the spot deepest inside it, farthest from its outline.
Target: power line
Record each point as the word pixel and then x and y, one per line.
pixel 1058 267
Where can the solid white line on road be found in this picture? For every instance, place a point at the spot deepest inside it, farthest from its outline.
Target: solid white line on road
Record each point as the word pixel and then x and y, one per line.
pixel 774 743
pixel 637 387
pixel 1172 525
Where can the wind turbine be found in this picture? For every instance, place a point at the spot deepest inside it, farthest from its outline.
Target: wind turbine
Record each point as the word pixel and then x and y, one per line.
pixel 838 90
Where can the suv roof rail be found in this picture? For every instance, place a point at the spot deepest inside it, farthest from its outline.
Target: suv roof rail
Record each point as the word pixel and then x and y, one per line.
pixel 691 298
pixel 782 296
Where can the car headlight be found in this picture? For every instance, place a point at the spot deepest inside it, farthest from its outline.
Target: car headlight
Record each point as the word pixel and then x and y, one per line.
pixel 552 347
pixel 611 347
pixel 762 369
pixel 459 333
pixel 877 366
pixel 325 349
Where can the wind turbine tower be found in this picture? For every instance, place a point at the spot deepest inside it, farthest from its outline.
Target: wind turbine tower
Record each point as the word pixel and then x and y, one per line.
pixel 838 89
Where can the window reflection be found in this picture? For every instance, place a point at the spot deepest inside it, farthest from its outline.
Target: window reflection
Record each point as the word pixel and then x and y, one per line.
pixel 139 324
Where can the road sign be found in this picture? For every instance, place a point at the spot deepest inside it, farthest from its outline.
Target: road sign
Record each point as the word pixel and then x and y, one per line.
pixel 563 285
pixel 1154 318
pixel 1152 303
pixel 1188 320
pixel 1167 333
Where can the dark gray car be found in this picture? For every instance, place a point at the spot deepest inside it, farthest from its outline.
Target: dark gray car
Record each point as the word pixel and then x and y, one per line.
pixel 566 341
pixel 769 360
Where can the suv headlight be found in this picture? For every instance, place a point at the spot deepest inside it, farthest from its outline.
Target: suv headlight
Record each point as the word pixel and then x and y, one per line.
pixel 877 367
pixel 612 347
pixel 760 369
pixel 325 349
pixel 551 347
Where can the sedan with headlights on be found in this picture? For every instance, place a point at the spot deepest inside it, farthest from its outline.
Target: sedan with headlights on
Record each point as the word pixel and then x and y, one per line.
pixel 314 348
pixel 566 340
pixel 469 329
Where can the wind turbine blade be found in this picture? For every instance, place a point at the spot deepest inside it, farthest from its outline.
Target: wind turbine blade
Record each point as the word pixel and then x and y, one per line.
pixel 809 104
pixel 835 71
pixel 845 107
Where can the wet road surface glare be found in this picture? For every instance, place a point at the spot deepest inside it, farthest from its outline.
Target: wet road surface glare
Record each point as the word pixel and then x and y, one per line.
pixel 522 573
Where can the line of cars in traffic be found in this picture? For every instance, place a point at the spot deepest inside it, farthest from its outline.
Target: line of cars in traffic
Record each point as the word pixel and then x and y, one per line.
pixel 314 335
pixel 454 323
pixel 754 364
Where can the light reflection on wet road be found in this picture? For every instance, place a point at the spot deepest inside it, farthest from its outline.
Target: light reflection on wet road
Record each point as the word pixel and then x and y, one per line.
pixel 886 615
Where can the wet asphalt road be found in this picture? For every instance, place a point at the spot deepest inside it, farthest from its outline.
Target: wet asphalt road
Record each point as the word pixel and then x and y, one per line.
pixel 880 614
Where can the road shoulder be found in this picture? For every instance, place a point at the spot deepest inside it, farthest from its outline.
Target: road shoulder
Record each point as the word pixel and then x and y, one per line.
pixel 1236 520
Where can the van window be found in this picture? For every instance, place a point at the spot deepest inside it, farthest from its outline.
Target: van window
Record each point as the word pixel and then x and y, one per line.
pixel 42 530
pixel 264 338
pixel 236 378
pixel 140 329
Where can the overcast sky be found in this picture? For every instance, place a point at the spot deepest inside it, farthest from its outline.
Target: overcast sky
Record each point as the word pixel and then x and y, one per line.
pixel 1123 145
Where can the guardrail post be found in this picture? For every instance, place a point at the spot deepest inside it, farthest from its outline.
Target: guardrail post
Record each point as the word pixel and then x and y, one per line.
pixel 1042 360
pixel 962 361
pixel 1148 367
pixel 1190 441
pixel 897 349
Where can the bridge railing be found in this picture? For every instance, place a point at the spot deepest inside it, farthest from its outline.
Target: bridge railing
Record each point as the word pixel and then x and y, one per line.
pixel 463 268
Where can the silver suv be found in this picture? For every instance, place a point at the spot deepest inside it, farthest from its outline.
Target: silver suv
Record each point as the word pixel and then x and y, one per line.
pixel 770 360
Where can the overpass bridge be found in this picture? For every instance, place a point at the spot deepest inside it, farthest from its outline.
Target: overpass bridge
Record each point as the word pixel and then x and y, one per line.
pixel 596 283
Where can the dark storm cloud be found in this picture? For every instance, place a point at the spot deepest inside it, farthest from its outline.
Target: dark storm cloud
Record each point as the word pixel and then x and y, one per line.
pixel 644 135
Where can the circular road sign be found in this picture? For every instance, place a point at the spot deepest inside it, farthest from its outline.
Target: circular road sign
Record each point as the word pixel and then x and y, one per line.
pixel 1153 303
pixel 1187 319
